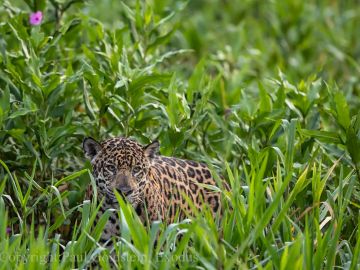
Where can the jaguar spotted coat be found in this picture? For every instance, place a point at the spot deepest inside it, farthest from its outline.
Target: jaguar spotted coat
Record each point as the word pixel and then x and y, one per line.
pixel 153 184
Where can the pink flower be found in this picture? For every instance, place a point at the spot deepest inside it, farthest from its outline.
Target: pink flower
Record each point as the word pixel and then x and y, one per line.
pixel 36 18
pixel 8 230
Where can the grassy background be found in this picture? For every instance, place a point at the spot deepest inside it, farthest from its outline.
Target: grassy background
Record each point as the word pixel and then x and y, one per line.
pixel 266 92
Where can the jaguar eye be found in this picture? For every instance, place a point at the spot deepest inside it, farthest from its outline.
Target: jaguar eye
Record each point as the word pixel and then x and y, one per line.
pixel 112 169
pixel 136 169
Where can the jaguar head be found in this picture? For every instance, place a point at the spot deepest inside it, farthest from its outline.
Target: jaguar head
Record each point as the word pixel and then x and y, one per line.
pixel 120 164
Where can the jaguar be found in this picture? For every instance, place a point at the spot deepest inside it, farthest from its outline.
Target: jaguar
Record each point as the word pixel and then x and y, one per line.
pixel 158 187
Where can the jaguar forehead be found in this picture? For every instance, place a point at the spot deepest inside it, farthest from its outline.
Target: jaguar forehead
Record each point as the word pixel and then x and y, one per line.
pixel 121 142
pixel 122 145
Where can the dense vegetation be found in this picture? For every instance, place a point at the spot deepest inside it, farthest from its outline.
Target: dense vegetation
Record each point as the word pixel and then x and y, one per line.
pixel 266 92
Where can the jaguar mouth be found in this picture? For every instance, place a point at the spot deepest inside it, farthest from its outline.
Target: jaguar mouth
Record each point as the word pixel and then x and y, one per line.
pixel 125 192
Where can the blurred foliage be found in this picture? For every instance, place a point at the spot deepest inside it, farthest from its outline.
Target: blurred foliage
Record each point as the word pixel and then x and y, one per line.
pixel 267 92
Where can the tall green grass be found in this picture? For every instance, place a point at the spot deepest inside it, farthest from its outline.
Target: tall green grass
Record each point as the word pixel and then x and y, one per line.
pixel 265 92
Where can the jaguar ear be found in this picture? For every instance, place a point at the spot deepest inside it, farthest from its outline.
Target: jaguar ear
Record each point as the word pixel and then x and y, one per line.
pixel 152 149
pixel 91 147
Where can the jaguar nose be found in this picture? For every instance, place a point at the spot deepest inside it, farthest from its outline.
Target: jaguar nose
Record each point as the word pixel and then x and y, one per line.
pixel 124 190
